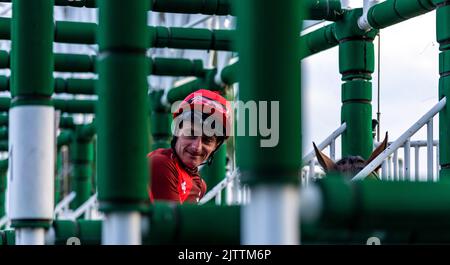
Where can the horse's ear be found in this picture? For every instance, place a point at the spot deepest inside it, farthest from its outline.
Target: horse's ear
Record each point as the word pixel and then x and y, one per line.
pixel 326 163
pixel 378 151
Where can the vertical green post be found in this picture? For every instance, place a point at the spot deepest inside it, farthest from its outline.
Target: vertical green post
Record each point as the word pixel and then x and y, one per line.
pixel 356 64
pixel 122 113
pixel 443 37
pixel 215 173
pixel 3 183
pixel 82 157
pixel 270 74
pixel 58 176
pixel 160 118
pixel 31 123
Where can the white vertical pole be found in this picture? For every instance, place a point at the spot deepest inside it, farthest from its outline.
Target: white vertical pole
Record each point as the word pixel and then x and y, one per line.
pixel 437 162
pixel 333 149
pixel 122 228
pixel 407 158
pixel 384 171
pixel 416 163
pixel 430 150
pixel 395 161
pixel 312 170
pixel 390 175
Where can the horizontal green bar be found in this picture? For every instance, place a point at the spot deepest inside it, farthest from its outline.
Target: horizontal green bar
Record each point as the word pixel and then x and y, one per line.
pixel 206 7
pixel 75 106
pixel 74 86
pixel 391 12
pixel 323 9
pixel 64 138
pixel 177 67
pixel 319 40
pixel 229 74
pixel 161 37
pixel 385 205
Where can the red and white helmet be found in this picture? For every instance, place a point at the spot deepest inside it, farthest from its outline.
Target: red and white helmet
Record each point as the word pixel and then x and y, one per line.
pixel 212 104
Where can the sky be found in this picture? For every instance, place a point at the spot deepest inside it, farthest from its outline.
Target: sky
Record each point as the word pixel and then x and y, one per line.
pixel 408 83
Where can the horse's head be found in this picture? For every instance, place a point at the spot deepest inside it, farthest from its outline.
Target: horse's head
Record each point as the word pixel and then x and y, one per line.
pixel 349 166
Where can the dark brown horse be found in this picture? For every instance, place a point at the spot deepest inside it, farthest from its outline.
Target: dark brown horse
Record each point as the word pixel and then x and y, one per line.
pixel 349 166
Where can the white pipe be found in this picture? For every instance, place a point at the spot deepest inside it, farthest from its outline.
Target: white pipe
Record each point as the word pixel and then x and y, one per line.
pixel 219 187
pixel 324 143
pixel 430 150
pixel 389 166
pixel 121 228
pixel 311 202
pixel 333 149
pixel 271 218
pixel 30 236
pixel 407 157
pixel 395 161
pixel 363 22
pixel 416 165
pixel 396 144
pixel 312 170
pixel 84 207
pixel 62 204
pixel 437 163
pixel 401 176
pixel 384 171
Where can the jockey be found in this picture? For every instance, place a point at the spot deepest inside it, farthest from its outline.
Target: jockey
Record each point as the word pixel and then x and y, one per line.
pixel 201 124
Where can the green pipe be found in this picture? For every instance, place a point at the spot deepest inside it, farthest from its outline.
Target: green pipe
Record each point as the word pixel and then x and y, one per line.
pixel 391 12
pixel 7 237
pixel 4 146
pixel 443 37
pixel 66 122
pixel 323 9
pixel 206 7
pixel 32 86
pixel 318 40
pixel 58 176
pixel 178 224
pixel 82 157
pixel 229 73
pixel 263 160
pixel 177 67
pixel 4 133
pixel 75 106
pixel 3 119
pixel 180 92
pixel 190 38
pixel 64 138
pixel 213 174
pixel 74 62
pixel 88 231
pixel 160 37
pixel 122 165
pixel 3 184
pixel 160 121
pixel 384 205
pixel 356 64
pixel 75 86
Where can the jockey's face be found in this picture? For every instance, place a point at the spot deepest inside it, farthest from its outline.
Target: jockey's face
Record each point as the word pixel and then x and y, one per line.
pixel 193 147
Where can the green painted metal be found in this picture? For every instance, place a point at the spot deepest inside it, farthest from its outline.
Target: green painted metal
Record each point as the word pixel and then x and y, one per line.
pixel 391 12
pixel 179 224
pixel 160 121
pixel 32 68
pixel 4 133
pixel 356 64
pixel 75 86
pixel 122 132
pixel 207 7
pixel 58 176
pixel 443 37
pixel 180 92
pixel 7 237
pixel 3 184
pixel 190 38
pixel 160 37
pixel 175 67
pixel 64 138
pixel 215 173
pixel 88 231
pixel 258 77
pixel 229 74
pixel 74 62
pixel 385 205
pixel 319 40
pixel 323 9
pixel 4 145
pixel 75 106
pixel 82 157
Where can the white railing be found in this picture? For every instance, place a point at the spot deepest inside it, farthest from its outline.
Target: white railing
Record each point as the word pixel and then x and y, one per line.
pixel 63 206
pixel 401 169
pixel 86 208
pixel 229 181
pixel 309 161
pixel 406 138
